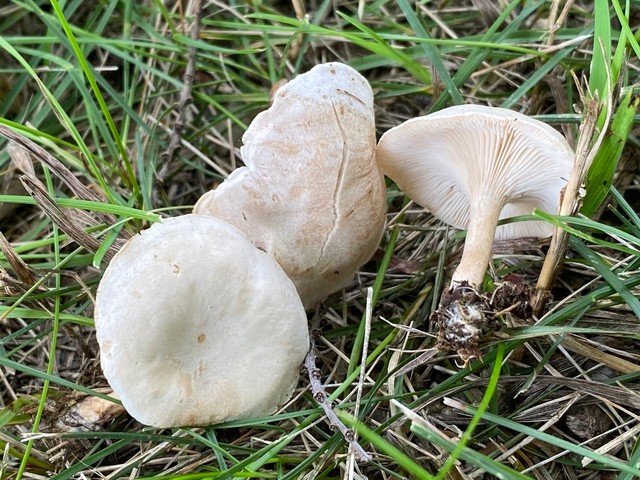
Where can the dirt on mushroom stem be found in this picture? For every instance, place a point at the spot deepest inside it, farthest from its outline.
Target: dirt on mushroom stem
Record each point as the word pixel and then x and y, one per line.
pixel 461 316
pixel 465 316
pixel 460 319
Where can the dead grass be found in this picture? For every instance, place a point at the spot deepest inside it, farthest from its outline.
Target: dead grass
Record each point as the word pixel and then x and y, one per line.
pixel 564 403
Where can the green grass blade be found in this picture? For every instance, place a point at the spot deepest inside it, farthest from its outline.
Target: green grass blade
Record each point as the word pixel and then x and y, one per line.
pixel 564 222
pixel 432 53
pixel 599 81
pixel 34 372
pixel 98 95
pixel 65 120
pixel 605 270
pixel 537 77
pixel 634 460
pixel 491 41
pixel 399 457
pixel 482 407
pixel 482 462
pixel 557 442
pixel 91 206
pixel 603 168
pixel 626 29
pixel 356 351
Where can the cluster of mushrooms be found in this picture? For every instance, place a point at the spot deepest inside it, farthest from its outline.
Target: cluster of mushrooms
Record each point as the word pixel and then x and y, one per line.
pixel 211 305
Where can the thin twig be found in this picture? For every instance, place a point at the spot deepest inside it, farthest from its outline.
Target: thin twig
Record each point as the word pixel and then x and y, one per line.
pixel 319 393
pixel 185 97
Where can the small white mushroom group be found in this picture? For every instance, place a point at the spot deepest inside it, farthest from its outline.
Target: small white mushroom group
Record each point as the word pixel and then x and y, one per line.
pixel 200 319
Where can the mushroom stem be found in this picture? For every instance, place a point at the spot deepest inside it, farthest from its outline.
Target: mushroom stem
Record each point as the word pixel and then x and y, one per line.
pixel 476 254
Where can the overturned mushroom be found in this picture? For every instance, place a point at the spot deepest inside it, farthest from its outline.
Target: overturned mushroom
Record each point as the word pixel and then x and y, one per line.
pixel 311 193
pixel 471 166
pixel 196 326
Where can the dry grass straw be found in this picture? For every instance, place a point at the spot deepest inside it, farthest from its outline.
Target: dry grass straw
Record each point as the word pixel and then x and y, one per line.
pixel 570 373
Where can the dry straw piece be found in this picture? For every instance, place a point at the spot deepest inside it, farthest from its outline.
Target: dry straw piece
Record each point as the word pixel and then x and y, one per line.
pixel 196 326
pixel 311 193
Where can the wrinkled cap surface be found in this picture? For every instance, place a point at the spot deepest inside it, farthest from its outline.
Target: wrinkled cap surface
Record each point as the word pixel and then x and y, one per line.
pixel 311 194
pixel 464 156
pixel 196 326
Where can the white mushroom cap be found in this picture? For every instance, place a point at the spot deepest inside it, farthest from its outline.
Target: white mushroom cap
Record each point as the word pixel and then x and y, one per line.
pixel 196 326
pixel 311 194
pixel 472 165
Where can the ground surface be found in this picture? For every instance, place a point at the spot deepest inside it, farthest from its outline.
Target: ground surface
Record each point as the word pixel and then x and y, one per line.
pixel 97 94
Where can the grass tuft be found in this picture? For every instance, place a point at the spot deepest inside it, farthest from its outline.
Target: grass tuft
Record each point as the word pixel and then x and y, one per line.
pixel 90 101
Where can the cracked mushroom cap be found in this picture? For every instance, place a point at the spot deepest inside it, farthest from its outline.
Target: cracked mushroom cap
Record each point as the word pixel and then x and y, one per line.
pixel 469 156
pixel 311 193
pixel 196 326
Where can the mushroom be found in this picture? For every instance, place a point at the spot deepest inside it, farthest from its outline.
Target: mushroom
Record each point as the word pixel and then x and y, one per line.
pixel 197 326
pixel 311 193
pixel 471 166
